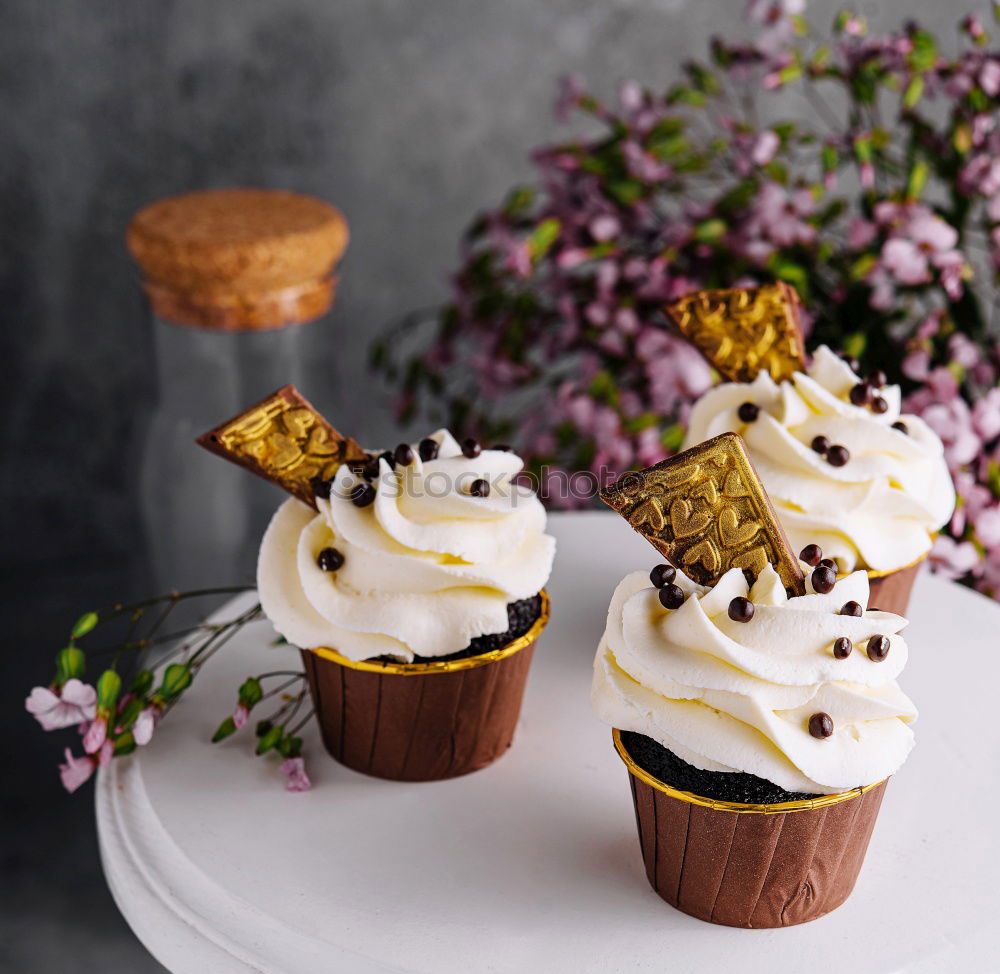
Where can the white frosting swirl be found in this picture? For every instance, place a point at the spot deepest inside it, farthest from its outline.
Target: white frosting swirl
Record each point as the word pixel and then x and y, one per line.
pixel 427 566
pixel 880 509
pixel 734 696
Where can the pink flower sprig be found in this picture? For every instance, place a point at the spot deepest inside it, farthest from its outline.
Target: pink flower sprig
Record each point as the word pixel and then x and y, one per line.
pixel 884 214
pixel 115 715
pixel 279 731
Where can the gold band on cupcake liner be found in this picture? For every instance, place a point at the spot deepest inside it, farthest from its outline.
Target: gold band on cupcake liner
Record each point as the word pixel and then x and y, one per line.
pixel 883 573
pixel 738 808
pixel 446 666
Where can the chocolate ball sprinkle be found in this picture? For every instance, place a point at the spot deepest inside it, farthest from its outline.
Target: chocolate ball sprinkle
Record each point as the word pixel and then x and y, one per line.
pixel 403 455
pixel 388 457
pixel 428 449
pixel 480 488
pixel 879 405
pixel 878 648
pixel 821 725
pixel 901 426
pixel 671 597
pixel 877 378
pixel 329 559
pixel 837 455
pixel 861 394
pixel 842 647
pixel 820 444
pixel 828 563
pixel 362 495
pixel 748 412
pixel 823 580
pixel 502 447
pixel 852 609
pixel 662 575
pixel 741 609
pixel 370 470
pixel 811 554
pixel 471 448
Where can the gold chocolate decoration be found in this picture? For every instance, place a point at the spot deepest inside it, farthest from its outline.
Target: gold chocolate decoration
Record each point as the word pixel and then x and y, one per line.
pixel 285 440
pixel 706 511
pixel 742 331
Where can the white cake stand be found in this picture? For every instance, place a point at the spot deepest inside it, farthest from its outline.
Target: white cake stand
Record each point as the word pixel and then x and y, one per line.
pixel 533 864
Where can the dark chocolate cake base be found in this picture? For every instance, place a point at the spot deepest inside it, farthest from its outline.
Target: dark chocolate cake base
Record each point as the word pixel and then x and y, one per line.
pixel 521 616
pixel 726 786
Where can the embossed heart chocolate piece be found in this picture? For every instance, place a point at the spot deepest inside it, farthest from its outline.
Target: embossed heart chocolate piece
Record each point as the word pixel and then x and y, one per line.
pixel 743 331
pixel 706 511
pixel 284 439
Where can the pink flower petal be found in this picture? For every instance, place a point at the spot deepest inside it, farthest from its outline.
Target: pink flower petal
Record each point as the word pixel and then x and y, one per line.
pixel 75 771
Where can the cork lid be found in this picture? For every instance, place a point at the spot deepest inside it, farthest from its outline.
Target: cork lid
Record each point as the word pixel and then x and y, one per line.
pixel 238 259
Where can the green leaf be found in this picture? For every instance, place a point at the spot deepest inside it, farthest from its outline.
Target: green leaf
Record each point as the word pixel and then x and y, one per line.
pixel 917 180
pixel 270 739
pixel 830 157
pixel 224 729
pixel 710 231
pixel 251 692
pixel 124 744
pixel 543 237
pixel 263 726
pixel 177 678
pixel 84 624
pixel 625 191
pixel 519 199
pixel 914 92
pixel 962 138
pixel 672 437
pixel 142 683
pixel 788 270
pixel 683 95
pixel 855 344
pixel 109 685
pixel 71 663
pixel 993 477
pixel 924 54
pixel 641 422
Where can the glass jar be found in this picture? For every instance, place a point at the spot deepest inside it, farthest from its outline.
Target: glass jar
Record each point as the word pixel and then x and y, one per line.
pixel 232 277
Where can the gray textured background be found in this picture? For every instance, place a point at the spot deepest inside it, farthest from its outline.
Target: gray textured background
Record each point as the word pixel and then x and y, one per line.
pixel 407 115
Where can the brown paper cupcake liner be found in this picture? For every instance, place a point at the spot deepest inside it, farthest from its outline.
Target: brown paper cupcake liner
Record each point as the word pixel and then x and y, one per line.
pixel 421 721
pixel 752 866
pixel 890 591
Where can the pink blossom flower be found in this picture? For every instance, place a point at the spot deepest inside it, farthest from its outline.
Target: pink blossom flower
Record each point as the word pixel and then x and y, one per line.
pixel 987 526
pixel 963 351
pixel 145 724
pixel 96 734
pixel 860 233
pixel 952 421
pixel 75 771
pixel 105 754
pixel 295 770
pixel 986 415
pixel 989 77
pixel 605 227
pixel 917 365
pixel 571 88
pixel 905 261
pixel 866 175
pixel 76 703
pixel 953 559
pixel 764 147
pixel 240 716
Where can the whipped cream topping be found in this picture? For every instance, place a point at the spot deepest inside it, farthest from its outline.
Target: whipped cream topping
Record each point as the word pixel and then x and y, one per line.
pixel 880 509
pixel 427 566
pixel 735 696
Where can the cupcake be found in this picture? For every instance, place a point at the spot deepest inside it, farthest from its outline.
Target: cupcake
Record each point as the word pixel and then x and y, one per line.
pixel 844 469
pixel 415 590
pixel 759 731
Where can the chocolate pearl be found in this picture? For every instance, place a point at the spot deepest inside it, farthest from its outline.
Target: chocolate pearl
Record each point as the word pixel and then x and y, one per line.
pixel 837 455
pixel 741 609
pixel 662 575
pixel 861 394
pixel 820 444
pixel 879 405
pixel 480 488
pixel 842 647
pixel 811 554
pixel 403 455
pixel 671 597
pixel 821 725
pixel 748 412
pixel 827 563
pixel 852 609
pixel 471 448
pixel 428 449
pixel 502 447
pixel 824 579
pixel 901 426
pixel 876 378
pixel 321 487
pixel 878 648
pixel 329 559
pixel 388 457
pixel 370 470
pixel 362 495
